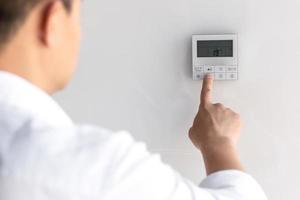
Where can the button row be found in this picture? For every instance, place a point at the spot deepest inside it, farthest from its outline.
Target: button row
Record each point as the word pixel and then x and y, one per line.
pixel 217 76
pixel 217 69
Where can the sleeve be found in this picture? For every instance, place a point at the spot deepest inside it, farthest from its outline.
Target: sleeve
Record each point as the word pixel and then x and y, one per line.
pixel 137 174
pixel 114 167
pixel 233 184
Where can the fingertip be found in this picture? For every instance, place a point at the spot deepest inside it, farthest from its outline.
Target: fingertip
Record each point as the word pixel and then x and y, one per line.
pixel 209 76
pixel 208 80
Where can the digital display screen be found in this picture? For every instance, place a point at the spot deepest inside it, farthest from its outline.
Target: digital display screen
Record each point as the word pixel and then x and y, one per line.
pixel 215 48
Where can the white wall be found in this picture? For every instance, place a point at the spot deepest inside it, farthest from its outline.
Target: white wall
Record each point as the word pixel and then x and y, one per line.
pixel 135 74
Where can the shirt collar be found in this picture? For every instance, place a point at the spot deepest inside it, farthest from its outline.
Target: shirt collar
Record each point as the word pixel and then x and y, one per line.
pixel 28 99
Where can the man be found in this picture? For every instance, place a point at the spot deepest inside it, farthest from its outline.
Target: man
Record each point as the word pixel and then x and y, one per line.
pixel 44 156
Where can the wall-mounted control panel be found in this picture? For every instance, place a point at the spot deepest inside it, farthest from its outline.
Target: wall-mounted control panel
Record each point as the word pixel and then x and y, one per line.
pixel 217 55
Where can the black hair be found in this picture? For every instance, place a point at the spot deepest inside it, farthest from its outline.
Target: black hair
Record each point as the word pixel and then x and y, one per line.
pixel 14 12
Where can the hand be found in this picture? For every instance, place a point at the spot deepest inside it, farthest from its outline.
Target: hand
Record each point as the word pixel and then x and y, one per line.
pixel 214 123
pixel 215 131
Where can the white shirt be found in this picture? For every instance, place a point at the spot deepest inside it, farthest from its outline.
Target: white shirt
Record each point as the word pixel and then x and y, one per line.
pixel 44 156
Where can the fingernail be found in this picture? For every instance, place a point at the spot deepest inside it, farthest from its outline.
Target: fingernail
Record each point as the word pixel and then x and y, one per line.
pixel 210 76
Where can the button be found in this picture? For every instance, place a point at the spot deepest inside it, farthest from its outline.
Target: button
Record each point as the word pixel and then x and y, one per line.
pixel 220 76
pixel 198 75
pixel 220 69
pixel 231 69
pixel 208 69
pixel 198 68
pixel 232 76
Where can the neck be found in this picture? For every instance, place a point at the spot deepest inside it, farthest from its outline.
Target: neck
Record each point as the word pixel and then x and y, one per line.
pixel 21 61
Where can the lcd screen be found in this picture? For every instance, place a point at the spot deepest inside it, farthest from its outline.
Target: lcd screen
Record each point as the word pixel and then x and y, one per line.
pixel 215 48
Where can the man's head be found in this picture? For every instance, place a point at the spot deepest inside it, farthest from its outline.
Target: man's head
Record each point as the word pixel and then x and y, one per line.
pixel 39 40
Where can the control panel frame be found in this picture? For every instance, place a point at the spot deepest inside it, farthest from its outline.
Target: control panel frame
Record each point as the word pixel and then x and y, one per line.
pixel 223 68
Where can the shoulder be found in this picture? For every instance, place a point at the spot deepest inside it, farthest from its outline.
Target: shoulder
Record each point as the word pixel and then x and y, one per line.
pixel 34 145
pixel 63 153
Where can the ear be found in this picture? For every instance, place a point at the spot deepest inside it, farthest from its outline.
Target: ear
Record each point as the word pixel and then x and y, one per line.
pixel 51 29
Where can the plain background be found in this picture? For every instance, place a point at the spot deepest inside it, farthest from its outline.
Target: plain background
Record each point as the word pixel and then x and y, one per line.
pixel 135 74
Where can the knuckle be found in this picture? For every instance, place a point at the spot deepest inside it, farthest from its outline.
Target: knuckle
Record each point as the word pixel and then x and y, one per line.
pixel 237 116
pixel 230 111
pixel 190 133
pixel 219 106
pixel 206 90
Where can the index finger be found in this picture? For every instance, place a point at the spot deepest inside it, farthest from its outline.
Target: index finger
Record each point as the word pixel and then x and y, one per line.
pixel 206 93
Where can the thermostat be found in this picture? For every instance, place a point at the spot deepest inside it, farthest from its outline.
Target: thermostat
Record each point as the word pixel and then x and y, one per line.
pixel 216 55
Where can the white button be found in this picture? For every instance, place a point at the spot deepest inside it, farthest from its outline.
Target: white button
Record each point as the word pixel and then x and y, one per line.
pixel 198 68
pixel 198 75
pixel 231 69
pixel 220 76
pixel 208 69
pixel 220 69
pixel 232 76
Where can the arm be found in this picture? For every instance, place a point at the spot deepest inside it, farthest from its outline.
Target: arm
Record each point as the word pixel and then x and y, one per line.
pixel 215 132
pixel 98 164
pixel 138 174
pixel 102 165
